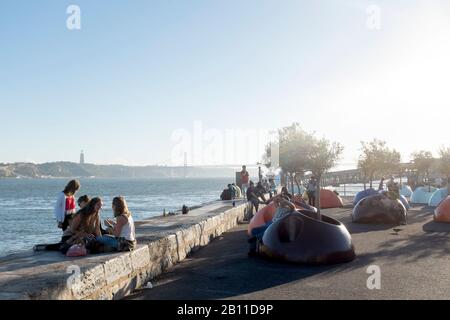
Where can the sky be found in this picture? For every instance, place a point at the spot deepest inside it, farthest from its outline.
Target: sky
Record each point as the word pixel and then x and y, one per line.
pixel 147 82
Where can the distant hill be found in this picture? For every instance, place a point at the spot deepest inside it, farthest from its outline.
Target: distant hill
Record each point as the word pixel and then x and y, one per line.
pixel 70 169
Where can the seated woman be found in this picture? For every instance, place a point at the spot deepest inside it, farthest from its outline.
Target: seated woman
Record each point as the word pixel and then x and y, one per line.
pixel 284 207
pixel 85 225
pixel 121 233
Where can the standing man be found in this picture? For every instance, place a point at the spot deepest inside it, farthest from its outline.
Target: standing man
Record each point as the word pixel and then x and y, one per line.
pixel 311 191
pixel 254 194
pixel 390 183
pixel 244 179
pixel 381 185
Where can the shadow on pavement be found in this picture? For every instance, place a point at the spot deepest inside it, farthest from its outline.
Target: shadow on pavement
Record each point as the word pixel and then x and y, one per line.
pixel 434 226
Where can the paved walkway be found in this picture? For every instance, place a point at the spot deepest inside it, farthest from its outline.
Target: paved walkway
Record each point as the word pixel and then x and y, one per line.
pixel 414 262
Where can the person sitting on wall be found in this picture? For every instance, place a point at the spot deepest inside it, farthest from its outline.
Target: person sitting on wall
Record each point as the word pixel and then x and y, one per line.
pixel 82 201
pixel 238 191
pixel 283 207
pixel 226 194
pixel 121 231
pixel 232 191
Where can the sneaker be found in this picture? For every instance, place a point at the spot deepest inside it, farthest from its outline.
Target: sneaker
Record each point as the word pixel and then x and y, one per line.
pixel 252 253
pixel 251 239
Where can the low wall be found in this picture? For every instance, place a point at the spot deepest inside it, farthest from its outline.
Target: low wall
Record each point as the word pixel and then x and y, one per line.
pixel 113 276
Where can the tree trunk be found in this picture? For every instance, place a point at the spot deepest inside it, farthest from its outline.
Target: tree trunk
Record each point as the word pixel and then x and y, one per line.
pixel 319 216
pixel 448 185
pixel 297 183
pixel 428 181
pixel 292 183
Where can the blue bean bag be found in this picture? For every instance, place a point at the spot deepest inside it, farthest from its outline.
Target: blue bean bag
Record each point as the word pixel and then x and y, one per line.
pixel 379 209
pixel 437 197
pixel 362 194
pixel 406 191
pixel 422 195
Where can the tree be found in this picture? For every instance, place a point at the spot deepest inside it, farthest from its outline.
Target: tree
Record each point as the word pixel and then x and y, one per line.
pixel 301 151
pixel 293 146
pixel 322 155
pixel 422 162
pixel 266 158
pixel 377 159
pixel 444 164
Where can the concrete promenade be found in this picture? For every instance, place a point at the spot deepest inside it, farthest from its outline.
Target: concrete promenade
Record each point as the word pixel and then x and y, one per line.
pixel 162 242
pixel 414 264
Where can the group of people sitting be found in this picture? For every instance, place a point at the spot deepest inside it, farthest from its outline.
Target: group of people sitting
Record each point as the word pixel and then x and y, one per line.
pixel 255 194
pixel 82 228
pixel 231 192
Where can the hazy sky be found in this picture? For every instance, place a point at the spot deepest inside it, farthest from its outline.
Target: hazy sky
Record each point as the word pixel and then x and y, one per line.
pixel 143 82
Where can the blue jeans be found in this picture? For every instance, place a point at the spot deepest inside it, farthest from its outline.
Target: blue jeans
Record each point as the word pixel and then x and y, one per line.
pixel 259 231
pixel 108 240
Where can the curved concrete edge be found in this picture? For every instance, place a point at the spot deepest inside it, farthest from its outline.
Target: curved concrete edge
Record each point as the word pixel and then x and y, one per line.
pixel 113 276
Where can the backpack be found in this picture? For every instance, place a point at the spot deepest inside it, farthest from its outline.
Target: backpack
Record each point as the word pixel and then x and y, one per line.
pixel 77 250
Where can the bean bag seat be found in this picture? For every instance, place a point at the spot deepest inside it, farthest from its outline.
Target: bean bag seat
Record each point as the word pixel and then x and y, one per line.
pixel 299 238
pixel 437 197
pixel 362 194
pixel 442 213
pixel 379 209
pixel 422 195
pixel 300 203
pixel 262 217
pixel 406 191
pixel 304 206
pixel 329 199
pixel 405 202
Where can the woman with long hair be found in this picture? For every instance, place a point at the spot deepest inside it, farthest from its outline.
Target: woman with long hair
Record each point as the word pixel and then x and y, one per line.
pixel 121 232
pixel 65 207
pixel 84 226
